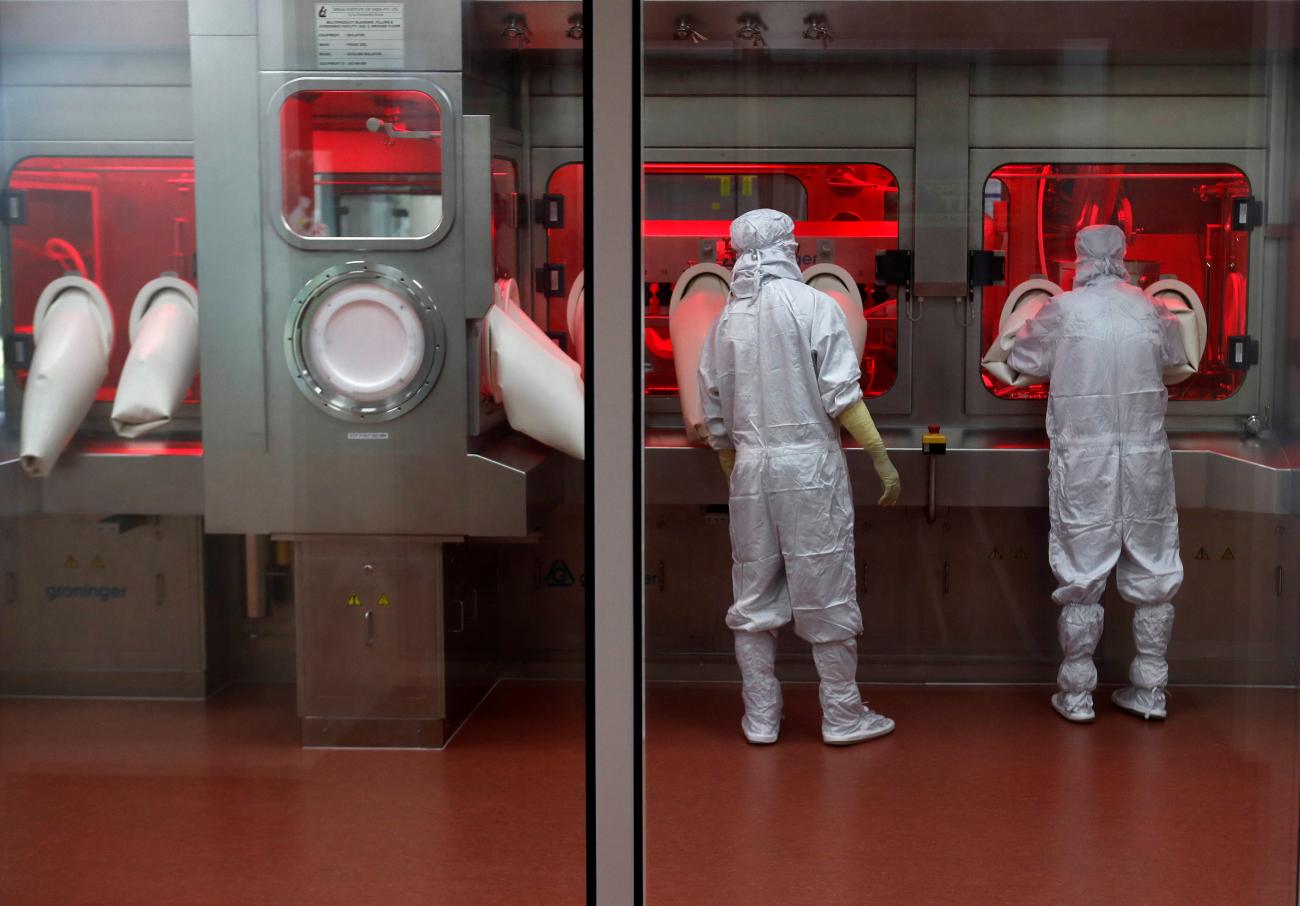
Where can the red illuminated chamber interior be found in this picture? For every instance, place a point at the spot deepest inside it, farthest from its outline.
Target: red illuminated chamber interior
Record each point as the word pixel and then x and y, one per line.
pixel 119 221
pixel 844 214
pixel 1177 221
pixel 361 164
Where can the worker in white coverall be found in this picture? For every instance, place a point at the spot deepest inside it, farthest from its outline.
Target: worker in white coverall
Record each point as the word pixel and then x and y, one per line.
pixel 776 373
pixel 1103 346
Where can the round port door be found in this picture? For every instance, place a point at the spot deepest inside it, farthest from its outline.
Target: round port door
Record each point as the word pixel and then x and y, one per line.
pixel 364 342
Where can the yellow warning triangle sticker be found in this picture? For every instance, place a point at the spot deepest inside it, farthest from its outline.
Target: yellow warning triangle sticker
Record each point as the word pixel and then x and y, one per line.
pixel 1020 554
pixel 70 563
pixel 383 601
pixel 1228 555
pixel 996 555
pixel 1202 554
pixel 97 563
pixel 354 600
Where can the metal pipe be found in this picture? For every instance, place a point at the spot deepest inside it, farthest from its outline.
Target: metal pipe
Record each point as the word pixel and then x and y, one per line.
pixel 931 494
pixel 256 551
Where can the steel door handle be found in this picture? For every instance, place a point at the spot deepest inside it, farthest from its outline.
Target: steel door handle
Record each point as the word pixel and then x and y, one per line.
pixel 369 620
pixel 461 611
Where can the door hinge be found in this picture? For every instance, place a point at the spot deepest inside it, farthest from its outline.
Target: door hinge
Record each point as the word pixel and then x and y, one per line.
pixel 1247 213
pixel 549 211
pixel 1243 352
pixel 894 268
pixel 13 207
pixel 985 268
pixel 550 280
pixel 18 350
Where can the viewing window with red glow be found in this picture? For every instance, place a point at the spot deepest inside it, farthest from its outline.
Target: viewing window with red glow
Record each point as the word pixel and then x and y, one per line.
pixel 844 214
pixel 1177 221
pixel 119 221
pixel 361 164
pixel 564 246
pixel 505 218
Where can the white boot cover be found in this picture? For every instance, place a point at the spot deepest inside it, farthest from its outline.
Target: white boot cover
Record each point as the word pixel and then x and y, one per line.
pixel 1079 626
pixel 756 655
pixel 845 719
pixel 1149 673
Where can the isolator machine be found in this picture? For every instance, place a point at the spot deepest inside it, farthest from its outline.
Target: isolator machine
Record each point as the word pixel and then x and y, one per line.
pixel 936 194
pixel 100 445
pixel 382 392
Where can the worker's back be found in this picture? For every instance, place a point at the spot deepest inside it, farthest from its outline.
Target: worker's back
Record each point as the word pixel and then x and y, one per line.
pixel 1111 344
pixel 778 375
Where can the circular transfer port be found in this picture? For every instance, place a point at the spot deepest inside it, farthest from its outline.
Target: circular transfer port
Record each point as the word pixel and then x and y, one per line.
pixel 364 342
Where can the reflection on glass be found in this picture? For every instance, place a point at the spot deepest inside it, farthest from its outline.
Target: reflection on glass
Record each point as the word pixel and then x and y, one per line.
pixel 361 164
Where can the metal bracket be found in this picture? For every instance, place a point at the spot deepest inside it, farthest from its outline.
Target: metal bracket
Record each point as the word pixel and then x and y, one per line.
pixel 1243 352
pixel 550 280
pixel 549 211
pixel 1247 213
pixel 18 350
pixel 13 207
pixel 985 268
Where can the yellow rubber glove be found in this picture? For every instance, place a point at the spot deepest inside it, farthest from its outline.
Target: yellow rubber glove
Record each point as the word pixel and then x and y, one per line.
pixel 728 460
pixel 857 421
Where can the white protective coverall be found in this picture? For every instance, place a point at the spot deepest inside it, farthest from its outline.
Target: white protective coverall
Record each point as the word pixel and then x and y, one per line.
pixel 1103 345
pixel 777 369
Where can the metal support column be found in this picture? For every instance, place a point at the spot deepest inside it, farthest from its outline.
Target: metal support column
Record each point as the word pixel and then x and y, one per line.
pixel 613 440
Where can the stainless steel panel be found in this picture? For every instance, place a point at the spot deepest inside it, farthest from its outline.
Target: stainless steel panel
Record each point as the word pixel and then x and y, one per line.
pixel 128 483
pixel 228 212
pixel 74 26
pixel 677 75
pixel 87 612
pixel 223 17
pixel 158 67
pixel 1118 122
pixel 370 630
pixel 939 242
pixel 613 274
pixel 96 113
pixel 998 469
pixel 480 276
pixel 19 495
pixel 555 121
pixel 775 121
pixel 433 32
pixel 1065 78
pixel 968 599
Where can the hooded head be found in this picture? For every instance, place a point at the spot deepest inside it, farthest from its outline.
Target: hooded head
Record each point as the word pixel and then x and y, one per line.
pixel 764 243
pixel 1100 251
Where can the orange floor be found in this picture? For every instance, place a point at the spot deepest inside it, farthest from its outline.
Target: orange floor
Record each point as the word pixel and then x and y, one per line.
pixel 982 795
pixel 162 804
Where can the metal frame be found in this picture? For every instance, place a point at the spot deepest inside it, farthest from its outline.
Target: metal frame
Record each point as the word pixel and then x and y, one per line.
pixel 1252 162
pixel 318 289
pixel 451 158
pixel 897 400
pixel 13 153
